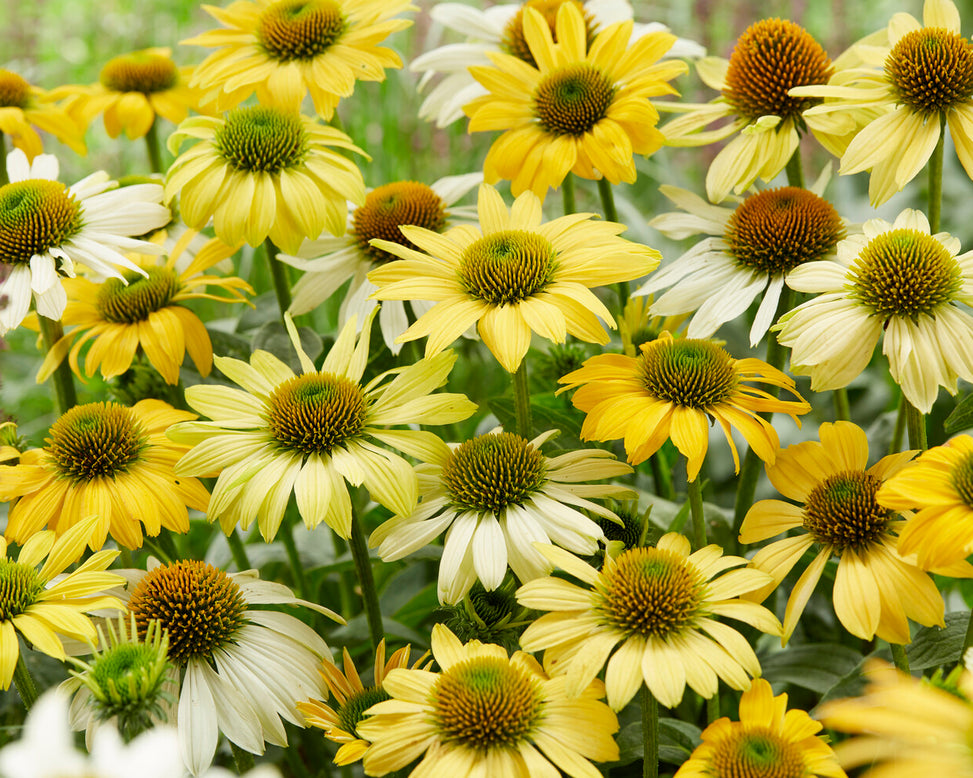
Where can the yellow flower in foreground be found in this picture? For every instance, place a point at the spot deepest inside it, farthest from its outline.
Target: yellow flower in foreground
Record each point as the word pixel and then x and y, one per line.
pixel 876 590
pixel 940 485
pixel 487 713
pixel 23 105
pixel 661 604
pixel 285 49
pixel 264 172
pixel 41 609
pixel 105 459
pixel 672 389
pixel 144 313
pixel 353 699
pixel 769 741
pixel 579 110
pixel 311 432
pixel 512 276
pixel 906 726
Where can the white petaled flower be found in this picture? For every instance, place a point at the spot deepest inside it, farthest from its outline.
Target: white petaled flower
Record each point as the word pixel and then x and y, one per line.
pixel 500 29
pixel 329 262
pixel 896 279
pixel 47 227
pixel 498 495
pixel 751 249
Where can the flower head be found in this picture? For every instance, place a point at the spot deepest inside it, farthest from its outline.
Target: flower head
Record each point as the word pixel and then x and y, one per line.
pixel 511 276
pixel 485 707
pixel 497 494
pixel 23 107
pixel 309 433
pixel 579 109
pixel 896 279
pixel 672 389
pixel 661 605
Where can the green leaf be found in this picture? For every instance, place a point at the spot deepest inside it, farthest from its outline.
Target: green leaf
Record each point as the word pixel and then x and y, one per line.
pixel 677 740
pixel 814 666
pixel 962 416
pixel 543 418
pixel 934 646
pixel 273 337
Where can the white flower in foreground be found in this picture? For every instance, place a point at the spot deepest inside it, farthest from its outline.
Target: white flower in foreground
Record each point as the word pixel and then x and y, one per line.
pixel 47 227
pixel 500 29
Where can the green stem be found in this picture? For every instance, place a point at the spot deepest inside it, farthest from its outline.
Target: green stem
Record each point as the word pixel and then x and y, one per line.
pixel 156 548
pixel 344 581
pixel 611 215
pixel 522 400
pixel 898 433
pixel 363 568
pixel 300 582
pixel 4 179
pixel 64 394
pixel 567 192
pixel 26 687
pixel 650 734
pixel 936 178
pixel 899 657
pixel 243 759
pixel 168 544
pixel 661 476
pixel 238 551
pixel 281 279
pixel 795 172
pixel 695 492
pixel 152 146
pixel 842 408
pixel 916 424
pixel 713 708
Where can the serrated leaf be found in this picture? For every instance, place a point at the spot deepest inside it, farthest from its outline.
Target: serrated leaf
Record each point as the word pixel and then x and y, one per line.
pixel 273 337
pixel 935 646
pixel 815 666
pixel 962 416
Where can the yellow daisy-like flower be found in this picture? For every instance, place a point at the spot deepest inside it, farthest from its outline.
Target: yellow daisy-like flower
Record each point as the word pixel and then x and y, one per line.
pixel 285 49
pixel 637 324
pixel 671 390
pixel 768 741
pixel 264 172
pixel 876 590
pixel 133 89
pixel 940 485
pixel 146 313
pixel 769 59
pixel 353 699
pixel 105 459
pixel 487 713
pixel 41 609
pixel 23 107
pixel 914 82
pixel 662 606
pixel 580 110
pixel 512 276
pixel 309 433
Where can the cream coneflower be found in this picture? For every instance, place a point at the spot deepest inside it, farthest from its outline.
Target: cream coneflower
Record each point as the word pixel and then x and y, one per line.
pixel 23 107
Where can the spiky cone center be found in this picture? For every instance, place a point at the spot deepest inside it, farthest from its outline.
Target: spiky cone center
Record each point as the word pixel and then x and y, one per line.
pixel 486 703
pixel 770 58
pixel 778 229
pixel 629 532
pixel 14 90
pixel 127 679
pixel 352 711
pixel 261 139
pixel 842 511
pixel 20 586
pixel 315 412
pixel 513 41
pixel 96 440
pixel 961 477
pixel 493 606
pixel 507 266
pixel 687 372
pixel 905 272
pixel 35 215
pixel 139 72
pixel 573 99
pixel 756 752
pixel 300 29
pixel 201 607
pixel 931 70
pixel 490 472
pixel 127 303
pixel 650 592
pixel 391 206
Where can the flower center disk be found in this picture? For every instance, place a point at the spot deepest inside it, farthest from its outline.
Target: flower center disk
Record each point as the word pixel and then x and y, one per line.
pixel 507 267
pixel 122 303
pixel 778 229
pixel 931 70
pixel 573 99
pixel 261 139
pixel 388 207
pixel 300 29
pixel 486 703
pixel 692 373
pixel 904 273
pixel 353 710
pixel 491 472
pixel 20 587
pixel 201 606
pixel 757 753
pixel 770 58
pixel 842 511
pixel 140 72
pixel 97 440
pixel 315 412
pixel 14 90
pixel 35 215
pixel 962 478
pixel 513 41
